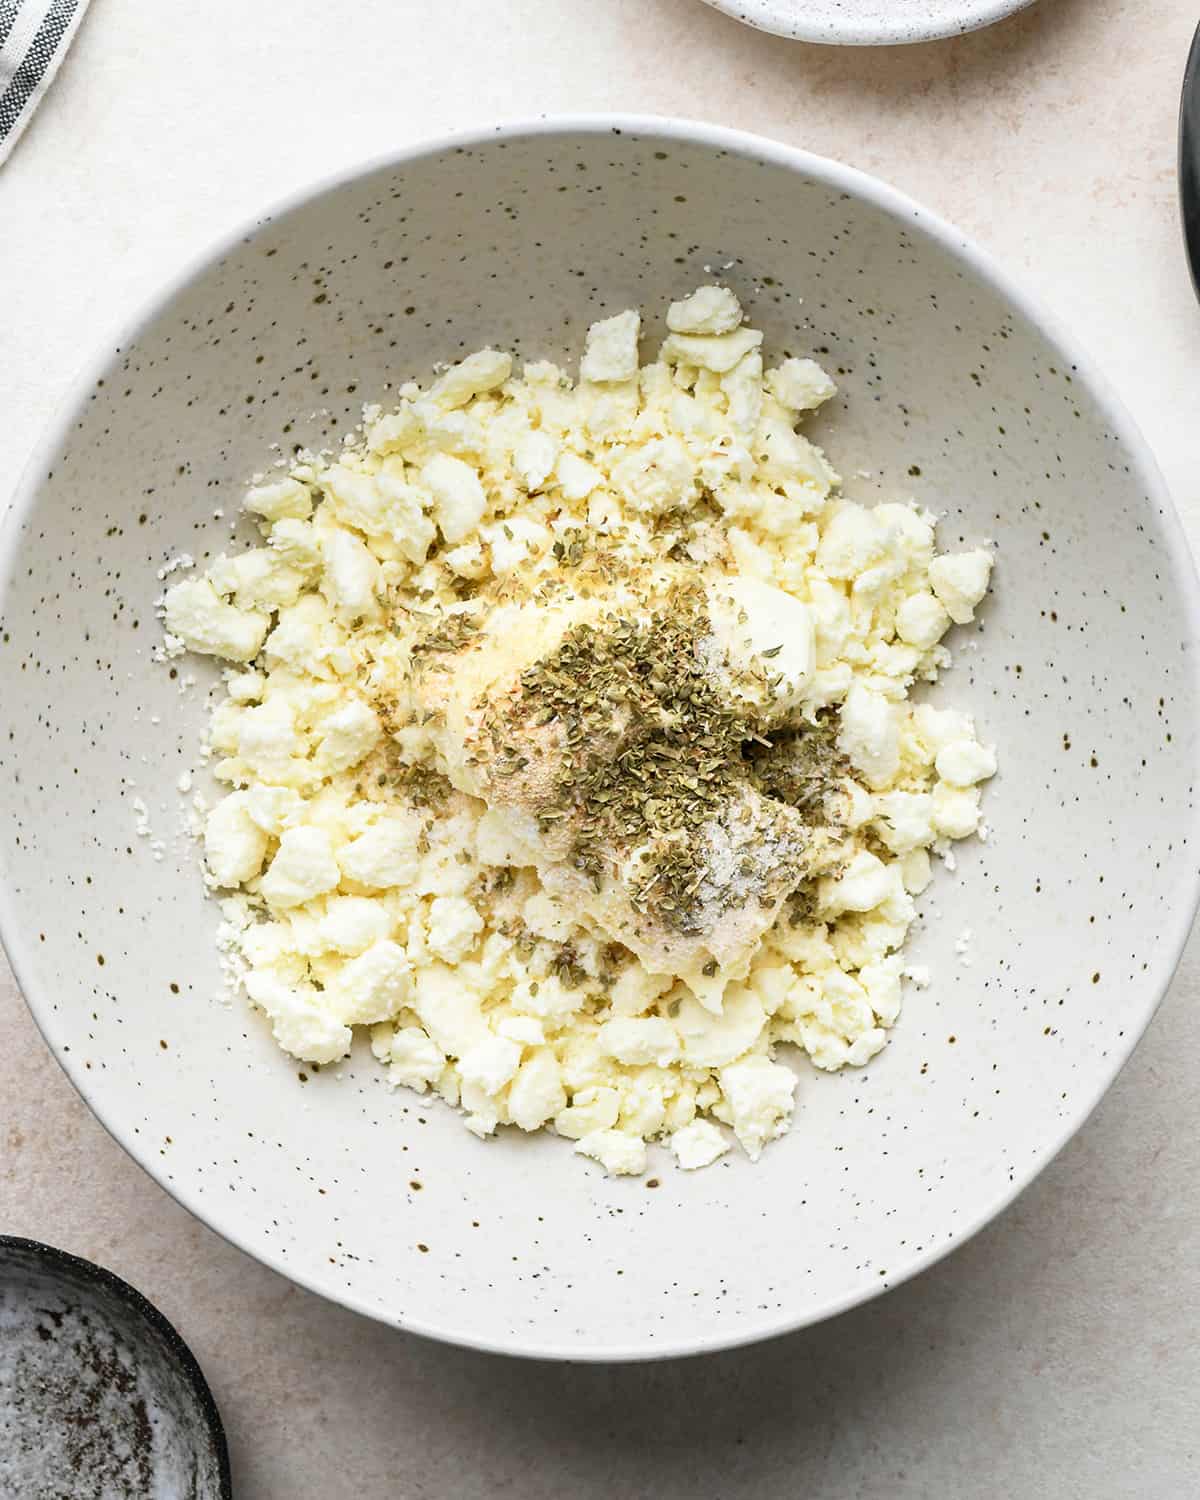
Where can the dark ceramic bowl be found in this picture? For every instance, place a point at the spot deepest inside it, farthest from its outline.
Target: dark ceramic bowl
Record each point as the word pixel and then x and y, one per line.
pixel 1189 159
pixel 100 1399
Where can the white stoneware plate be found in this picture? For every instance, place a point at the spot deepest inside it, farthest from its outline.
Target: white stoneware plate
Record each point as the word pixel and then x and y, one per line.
pixel 956 389
pixel 868 23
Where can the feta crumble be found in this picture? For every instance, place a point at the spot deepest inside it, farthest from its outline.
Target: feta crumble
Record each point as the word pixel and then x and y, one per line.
pixel 391 840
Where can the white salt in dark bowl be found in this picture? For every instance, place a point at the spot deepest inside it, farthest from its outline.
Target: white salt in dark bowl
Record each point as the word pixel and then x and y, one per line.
pixel 100 1399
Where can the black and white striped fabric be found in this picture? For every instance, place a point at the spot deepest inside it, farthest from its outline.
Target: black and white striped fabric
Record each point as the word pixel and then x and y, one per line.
pixel 34 37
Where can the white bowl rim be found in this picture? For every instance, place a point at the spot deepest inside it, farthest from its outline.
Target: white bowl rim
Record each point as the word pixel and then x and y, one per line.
pixel 842 178
pixel 853 33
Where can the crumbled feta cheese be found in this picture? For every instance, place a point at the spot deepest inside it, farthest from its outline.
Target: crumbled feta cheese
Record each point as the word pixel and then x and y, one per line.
pixel 405 523
pixel 447 1009
pixel 618 1152
pixel 454 924
pixel 467 560
pixel 246 687
pixel 273 502
pixel 514 542
pixel 458 497
pixel 758 1101
pixel 964 762
pixel 903 820
pixel 635 991
pixel 636 1041
pixel 611 351
pixel 351 578
pixel 710 310
pixel 864 884
pixel 938 727
pixel 960 580
pixel 395 431
pixel 356 498
pixel 548 918
pixel 348 736
pixel 478 373
pixel 303 867
pixel 800 385
pixel 548 999
pixel 852 542
pixel 716 352
pixel 916 871
pixel 384 855
pixel 881 981
pixel 352 923
pixel 260 579
pixel 656 477
pixel 273 808
pixel 743 389
pixel 181 561
pixel 534 458
pixel 371 987
pixel 955 810
pixel 576 477
pixel 869 735
pixel 416 1060
pixel 197 614
pixel 922 620
pixel 381 879
pixel 491 1064
pixel 536 1094
pixel 234 845
pixel 301 1020
pixel 698 1145
pixel 523 1029
pixel 590 1110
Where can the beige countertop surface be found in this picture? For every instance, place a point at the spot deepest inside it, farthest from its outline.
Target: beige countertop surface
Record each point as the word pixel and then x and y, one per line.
pixel 1056 1354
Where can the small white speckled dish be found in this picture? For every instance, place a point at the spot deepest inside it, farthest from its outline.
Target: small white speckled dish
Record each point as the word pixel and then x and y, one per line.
pixel 1082 667
pixel 868 23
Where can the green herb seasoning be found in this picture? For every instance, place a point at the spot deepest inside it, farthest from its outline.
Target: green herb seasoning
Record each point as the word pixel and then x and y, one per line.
pixel 653 757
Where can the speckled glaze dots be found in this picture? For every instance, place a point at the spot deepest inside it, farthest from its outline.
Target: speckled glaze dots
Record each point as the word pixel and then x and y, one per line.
pixel 1078 901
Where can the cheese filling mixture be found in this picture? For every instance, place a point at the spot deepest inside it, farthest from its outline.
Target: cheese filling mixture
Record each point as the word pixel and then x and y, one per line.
pixel 569 742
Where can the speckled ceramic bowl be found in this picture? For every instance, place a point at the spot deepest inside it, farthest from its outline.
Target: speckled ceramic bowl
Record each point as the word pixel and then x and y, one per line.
pixel 868 23
pixel 1082 668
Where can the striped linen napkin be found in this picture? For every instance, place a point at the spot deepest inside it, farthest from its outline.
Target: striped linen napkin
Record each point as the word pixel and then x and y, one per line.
pixel 34 37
